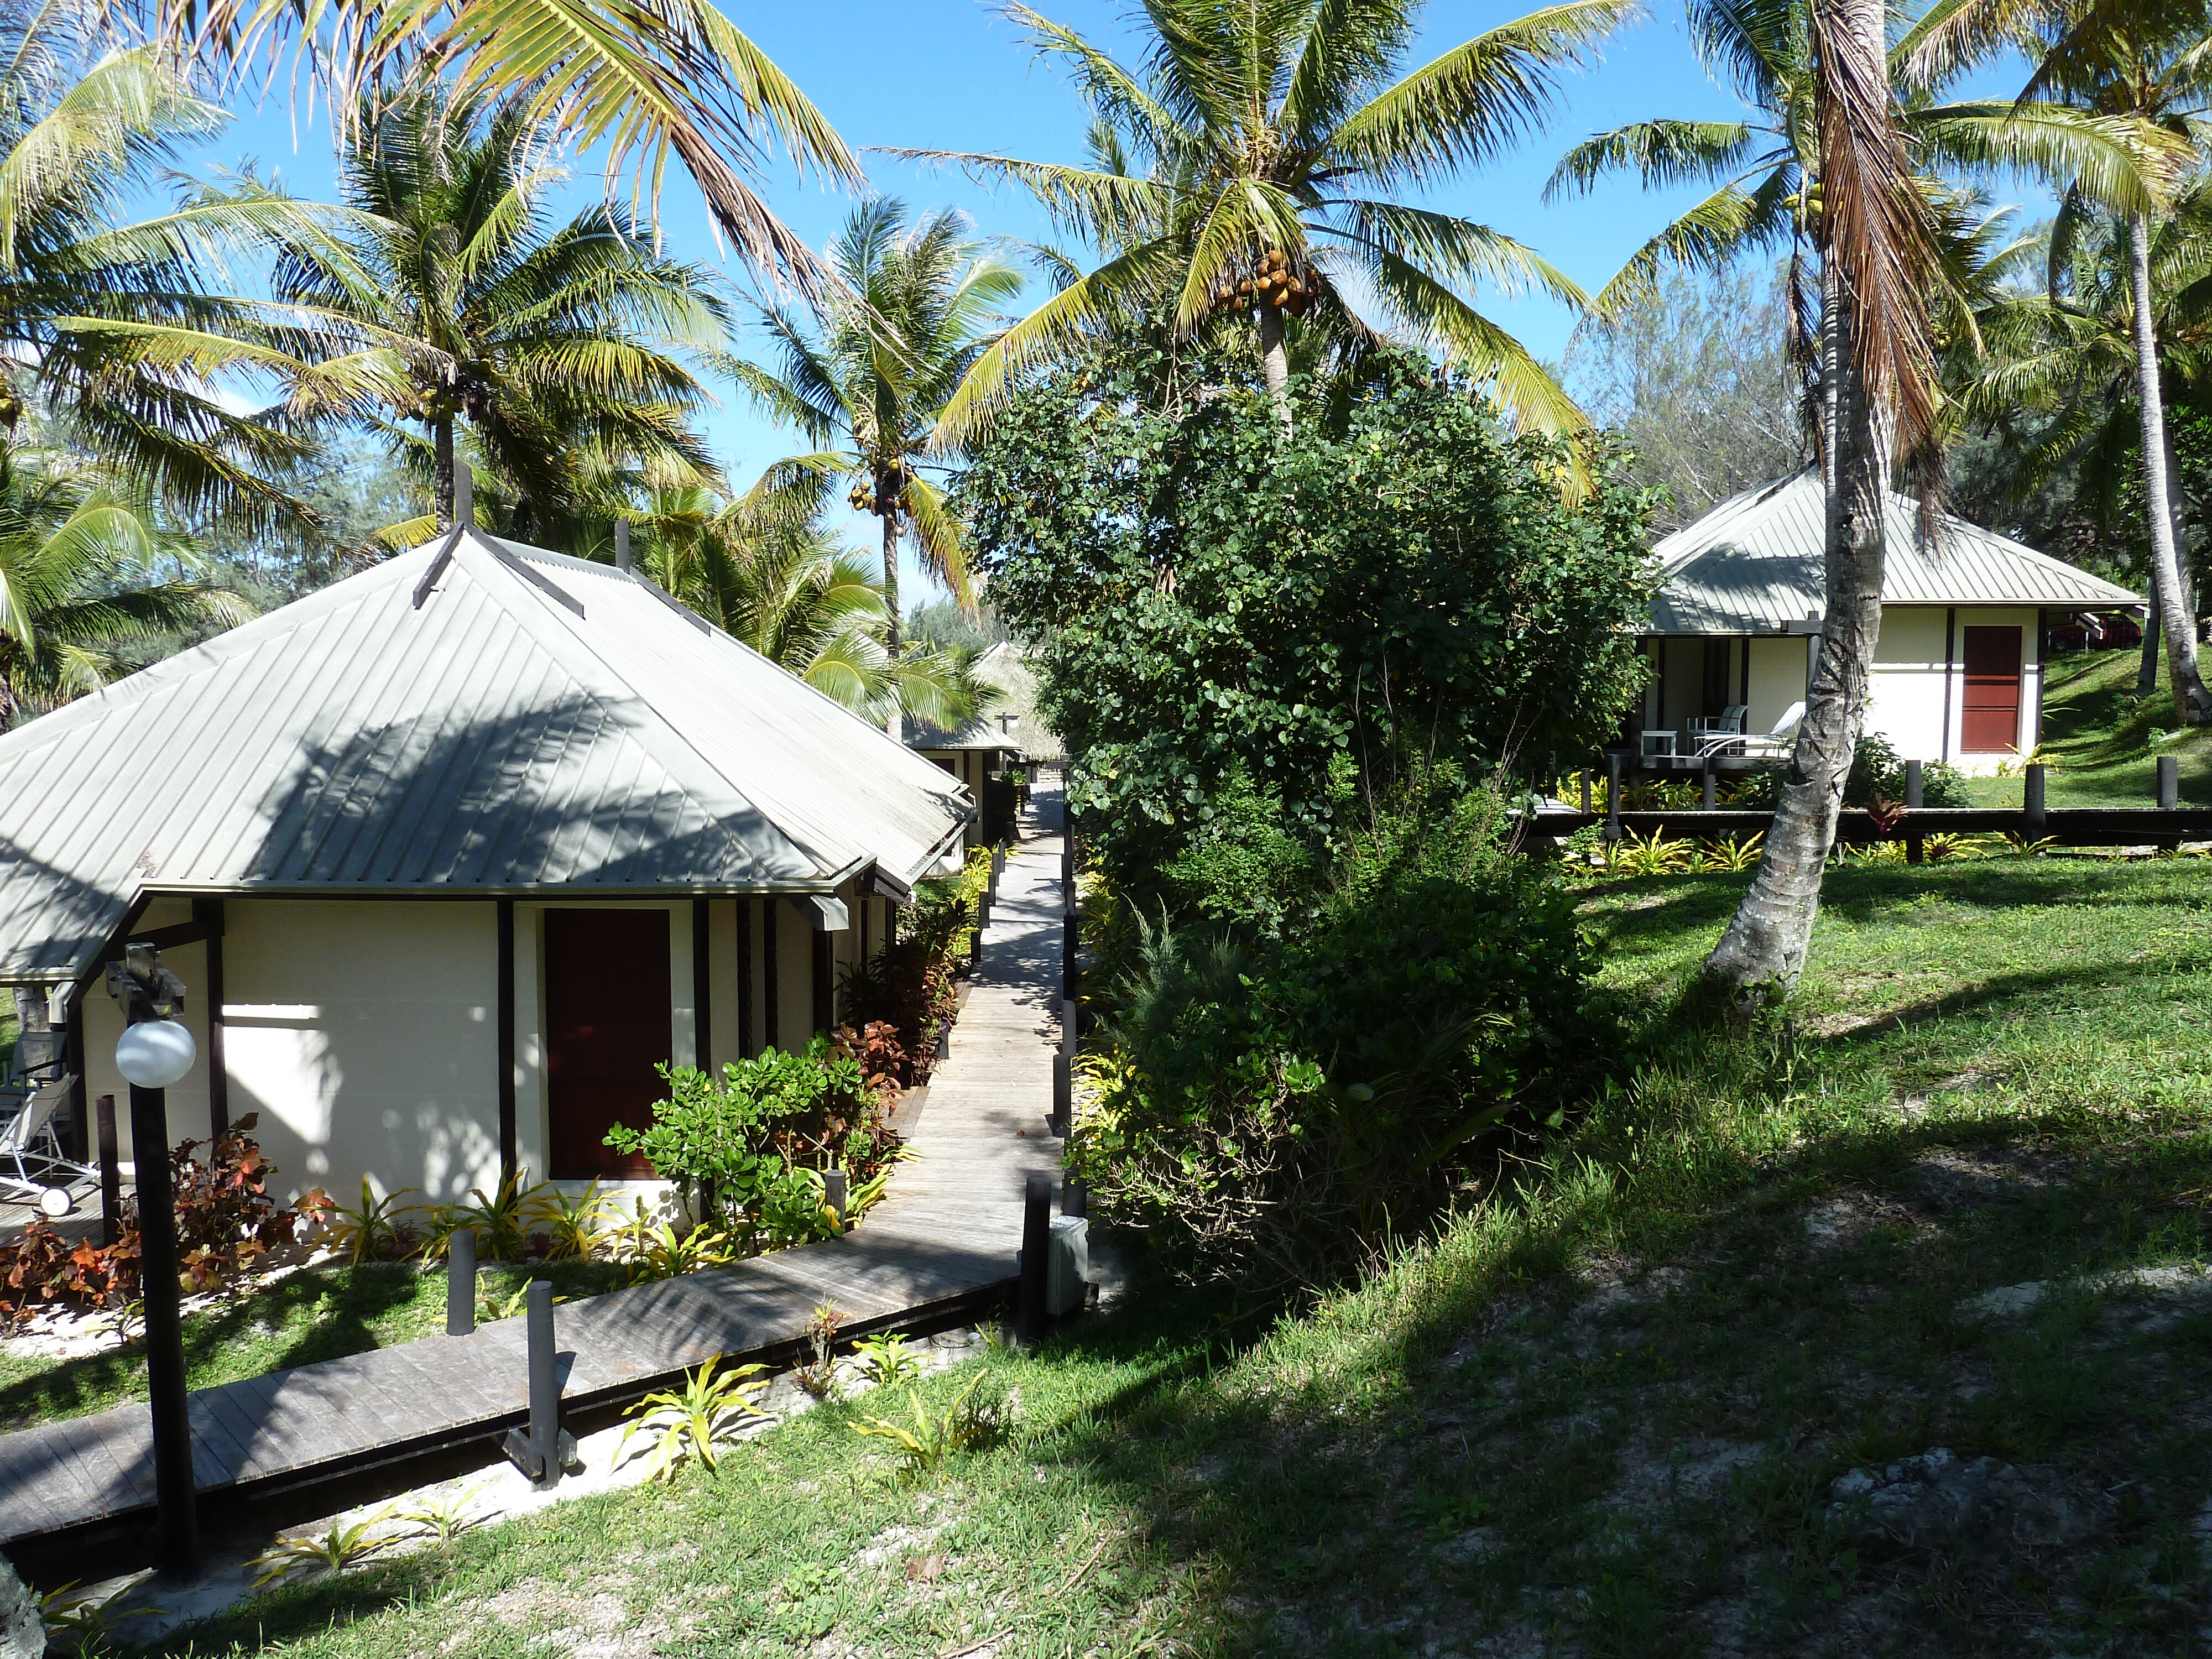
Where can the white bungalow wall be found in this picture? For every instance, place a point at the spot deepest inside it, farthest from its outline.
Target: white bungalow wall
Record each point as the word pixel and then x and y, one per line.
pixel 1919 654
pixel 364 1033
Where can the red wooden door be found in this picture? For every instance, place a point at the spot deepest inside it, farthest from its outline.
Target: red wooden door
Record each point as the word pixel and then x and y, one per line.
pixel 608 1018
pixel 1991 720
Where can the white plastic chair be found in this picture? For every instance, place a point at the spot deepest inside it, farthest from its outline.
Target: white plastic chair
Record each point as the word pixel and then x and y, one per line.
pixel 1762 746
pixel 29 1147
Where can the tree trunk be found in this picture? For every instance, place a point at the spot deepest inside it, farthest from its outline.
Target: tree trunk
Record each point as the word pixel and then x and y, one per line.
pixel 2146 676
pixel 893 722
pixel 1275 362
pixel 1762 954
pixel 2192 704
pixel 442 437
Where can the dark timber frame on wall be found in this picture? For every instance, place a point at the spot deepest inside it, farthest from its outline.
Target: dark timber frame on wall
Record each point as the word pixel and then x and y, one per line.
pixel 507 1114
pixel 702 1029
pixel 208 913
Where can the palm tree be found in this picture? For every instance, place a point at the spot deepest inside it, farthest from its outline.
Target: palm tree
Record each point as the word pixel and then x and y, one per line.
pixel 2063 353
pixel 637 78
pixel 2143 63
pixel 439 293
pixel 85 570
pixel 1879 257
pixel 763 569
pixel 917 309
pixel 1255 158
pixel 108 325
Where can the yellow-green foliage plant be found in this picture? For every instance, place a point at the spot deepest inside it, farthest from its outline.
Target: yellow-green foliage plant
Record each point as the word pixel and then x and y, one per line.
pixel 886 1361
pixel 85 1624
pixel 670 1254
pixel 574 1225
pixel 923 1445
pixel 689 1422
pixel 371 1231
pixel 332 1552
pixel 1731 853
pixel 1652 854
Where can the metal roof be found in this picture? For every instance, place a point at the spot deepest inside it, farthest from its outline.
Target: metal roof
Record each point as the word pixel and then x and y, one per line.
pixel 534 724
pixel 1756 564
pixel 1010 723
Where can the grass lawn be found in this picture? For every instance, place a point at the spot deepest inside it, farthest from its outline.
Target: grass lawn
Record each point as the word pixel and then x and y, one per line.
pixel 318 1313
pixel 2098 734
pixel 1605 1414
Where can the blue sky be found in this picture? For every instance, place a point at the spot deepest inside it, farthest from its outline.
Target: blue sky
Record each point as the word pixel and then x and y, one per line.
pixel 953 75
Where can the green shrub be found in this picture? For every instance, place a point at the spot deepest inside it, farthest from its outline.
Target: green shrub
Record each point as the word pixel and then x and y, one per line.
pixel 1877 774
pixel 748 1148
pixel 1284 1111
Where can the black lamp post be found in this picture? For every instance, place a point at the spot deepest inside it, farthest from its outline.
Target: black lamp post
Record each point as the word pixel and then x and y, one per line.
pixel 154 1052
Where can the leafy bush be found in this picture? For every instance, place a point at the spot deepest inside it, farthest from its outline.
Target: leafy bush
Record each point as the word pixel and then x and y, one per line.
pixel 908 985
pixel 1877 774
pixel 748 1148
pixel 1227 615
pixel 1286 1109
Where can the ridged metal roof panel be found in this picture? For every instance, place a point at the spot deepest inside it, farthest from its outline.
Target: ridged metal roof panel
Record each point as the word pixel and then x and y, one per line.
pixel 1012 723
pixel 1755 564
pixel 490 739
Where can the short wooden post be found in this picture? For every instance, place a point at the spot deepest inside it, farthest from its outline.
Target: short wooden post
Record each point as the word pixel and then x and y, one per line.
pixel 1916 844
pixel 461 1282
pixel 1071 1025
pixel 1037 1237
pixel 2032 798
pixel 1067 947
pixel 1613 797
pixel 1586 790
pixel 1063 1094
pixel 835 1195
pixel 1073 1199
pixel 542 1450
pixel 111 1172
pixel 2169 782
pixel 1708 781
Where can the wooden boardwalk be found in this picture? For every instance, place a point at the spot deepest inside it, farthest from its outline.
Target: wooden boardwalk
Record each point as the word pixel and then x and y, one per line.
pixel 948 1229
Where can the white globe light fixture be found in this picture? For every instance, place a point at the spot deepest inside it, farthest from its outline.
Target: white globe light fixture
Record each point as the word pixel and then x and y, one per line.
pixel 154 1053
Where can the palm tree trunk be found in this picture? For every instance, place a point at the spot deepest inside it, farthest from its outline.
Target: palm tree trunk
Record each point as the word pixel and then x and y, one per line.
pixel 2192 704
pixel 441 434
pixel 893 722
pixel 1275 362
pixel 2146 676
pixel 1761 955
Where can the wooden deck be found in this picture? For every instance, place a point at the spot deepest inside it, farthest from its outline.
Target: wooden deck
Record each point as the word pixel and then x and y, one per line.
pixel 948 1229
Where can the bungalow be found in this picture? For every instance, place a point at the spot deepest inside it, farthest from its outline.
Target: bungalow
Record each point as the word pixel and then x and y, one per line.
pixel 450 854
pixel 1958 673
pixel 1006 733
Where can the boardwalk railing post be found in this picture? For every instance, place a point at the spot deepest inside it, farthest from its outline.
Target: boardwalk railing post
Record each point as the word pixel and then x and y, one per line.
pixel 1071 1025
pixel 1586 790
pixel 835 1196
pixel 2032 798
pixel 2169 782
pixel 545 1449
pixel 1710 782
pixel 1071 1199
pixel 1612 797
pixel 111 1171
pixel 1063 1094
pixel 461 1283
pixel 1916 844
pixel 1036 1242
pixel 1067 958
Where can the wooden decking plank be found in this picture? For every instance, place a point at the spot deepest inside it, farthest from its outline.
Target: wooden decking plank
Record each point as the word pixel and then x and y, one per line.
pixel 240 1418
pixel 126 1433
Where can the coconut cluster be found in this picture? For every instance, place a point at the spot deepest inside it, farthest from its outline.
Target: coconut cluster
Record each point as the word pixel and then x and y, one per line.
pixel 885 492
pixel 1274 279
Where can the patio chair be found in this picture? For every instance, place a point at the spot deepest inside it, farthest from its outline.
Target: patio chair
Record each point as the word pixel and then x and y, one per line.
pixel 1760 745
pixel 1730 719
pixel 33 1168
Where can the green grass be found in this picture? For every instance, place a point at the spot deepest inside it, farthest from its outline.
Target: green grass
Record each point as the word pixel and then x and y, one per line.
pixel 2097 733
pixel 1601 1415
pixel 316 1313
